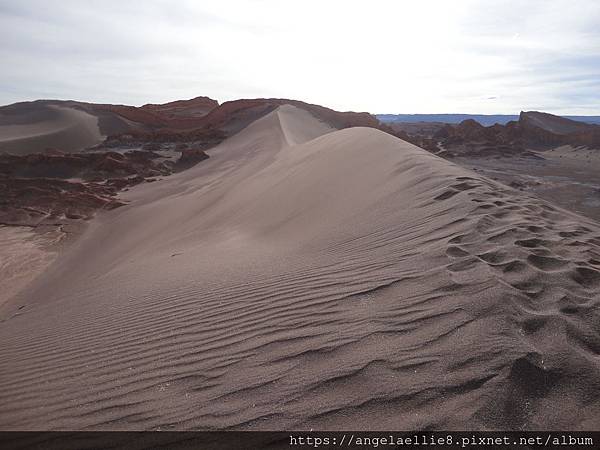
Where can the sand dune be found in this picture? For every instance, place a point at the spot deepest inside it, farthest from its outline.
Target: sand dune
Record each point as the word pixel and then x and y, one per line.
pixel 304 277
pixel 32 127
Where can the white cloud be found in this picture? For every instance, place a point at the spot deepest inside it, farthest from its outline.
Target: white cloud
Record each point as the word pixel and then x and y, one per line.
pixel 388 56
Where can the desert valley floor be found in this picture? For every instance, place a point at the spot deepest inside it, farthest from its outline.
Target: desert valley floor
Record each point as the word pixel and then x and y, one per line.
pixel 308 277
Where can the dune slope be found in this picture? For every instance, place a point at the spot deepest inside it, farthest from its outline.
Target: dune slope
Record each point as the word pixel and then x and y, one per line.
pixel 304 277
pixel 33 127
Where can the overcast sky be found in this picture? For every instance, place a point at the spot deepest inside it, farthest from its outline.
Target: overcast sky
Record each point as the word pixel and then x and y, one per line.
pixel 384 57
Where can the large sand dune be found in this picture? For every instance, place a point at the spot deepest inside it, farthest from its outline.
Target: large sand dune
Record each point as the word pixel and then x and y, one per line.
pixel 304 277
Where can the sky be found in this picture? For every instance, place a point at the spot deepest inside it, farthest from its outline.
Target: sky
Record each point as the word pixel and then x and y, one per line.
pixel 487 57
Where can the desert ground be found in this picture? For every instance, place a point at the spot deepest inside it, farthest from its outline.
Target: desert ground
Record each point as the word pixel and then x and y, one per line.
pixel 564 175
pixel 309 277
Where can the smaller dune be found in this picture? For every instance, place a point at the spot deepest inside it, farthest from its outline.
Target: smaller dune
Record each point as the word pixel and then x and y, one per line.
pixel 31 127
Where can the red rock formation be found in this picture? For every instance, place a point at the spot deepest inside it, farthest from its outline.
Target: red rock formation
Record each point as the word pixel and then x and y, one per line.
pixel 134 114
pixel 55 187
pixel 184 109
pixel 177 115
pixel 230 117
pixel 35 201
pixel 87 166
pixel 534 130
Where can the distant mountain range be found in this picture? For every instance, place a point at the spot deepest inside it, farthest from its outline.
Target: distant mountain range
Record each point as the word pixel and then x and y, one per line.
pixel 483 119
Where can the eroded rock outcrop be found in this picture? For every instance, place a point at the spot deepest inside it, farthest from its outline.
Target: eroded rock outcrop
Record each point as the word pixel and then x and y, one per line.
pixel 533 131
pixel 54 187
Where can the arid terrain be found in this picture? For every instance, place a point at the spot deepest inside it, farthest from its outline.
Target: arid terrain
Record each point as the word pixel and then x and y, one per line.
pixel 270 264
pixel 555 158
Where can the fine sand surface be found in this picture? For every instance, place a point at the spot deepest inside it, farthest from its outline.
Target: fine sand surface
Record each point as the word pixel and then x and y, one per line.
pixel 25 254
pixel 31 128
pixel 304 277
